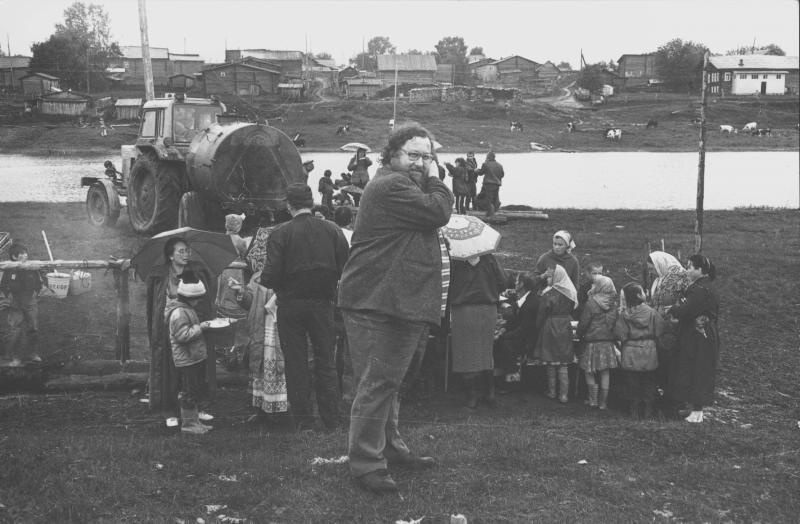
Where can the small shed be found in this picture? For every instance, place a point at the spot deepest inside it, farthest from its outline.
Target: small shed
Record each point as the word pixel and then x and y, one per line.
pixel 128 108
pixel 362 87
pixel 64 103
pixel 181 82
pixel 38 84
pixel 292 91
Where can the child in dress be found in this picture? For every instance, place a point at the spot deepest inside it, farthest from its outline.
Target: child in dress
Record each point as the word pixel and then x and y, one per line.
pixel 554 346
pixel 638 328
pixel 596 332
pixel 189 351
pixel 22 286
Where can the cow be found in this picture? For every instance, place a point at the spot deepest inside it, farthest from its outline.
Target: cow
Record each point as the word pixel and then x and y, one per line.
pixel 652 124
pixel 571 127
pixel 764 131
pixel 752 126
pixel 516 126
pixel 344 129
pixel 724 128
pixel 613 134
pixel 298 140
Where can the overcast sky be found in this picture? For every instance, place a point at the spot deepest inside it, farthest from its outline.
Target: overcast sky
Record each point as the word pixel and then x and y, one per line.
pixel 536 29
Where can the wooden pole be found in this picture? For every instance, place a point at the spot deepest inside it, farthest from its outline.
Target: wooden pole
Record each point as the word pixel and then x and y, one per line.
pixel 701 163
pixel 148 65
pixel 645 270
pixel 123 340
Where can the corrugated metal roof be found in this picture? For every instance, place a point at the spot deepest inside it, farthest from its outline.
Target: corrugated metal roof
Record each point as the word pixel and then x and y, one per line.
pixel 755 62
pixel 180 57
pixel 271 54
pixel 407 62
pixel 128 102
pixel 135 51
pixel 7 62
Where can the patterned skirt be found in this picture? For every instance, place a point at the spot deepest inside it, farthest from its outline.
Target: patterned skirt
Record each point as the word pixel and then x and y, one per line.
pixel 598 356
pixel 268 383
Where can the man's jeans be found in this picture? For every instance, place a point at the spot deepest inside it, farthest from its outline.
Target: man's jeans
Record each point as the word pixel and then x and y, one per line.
pixel 312 318
pixel 381 348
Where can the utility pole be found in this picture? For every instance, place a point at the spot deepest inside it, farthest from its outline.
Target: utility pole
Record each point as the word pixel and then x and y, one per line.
pixel 394 109
pixel 701 164
pixel 88 87
pixel 148 65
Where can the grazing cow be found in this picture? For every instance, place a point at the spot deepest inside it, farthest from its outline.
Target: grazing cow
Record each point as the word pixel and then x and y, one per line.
pixel 752 126
pixel 613 134
pixel 516 126
pixel 343 130
pixel 571 127
pixel 652 124
pixel 724 128
pixel 764 131
pixel 298 140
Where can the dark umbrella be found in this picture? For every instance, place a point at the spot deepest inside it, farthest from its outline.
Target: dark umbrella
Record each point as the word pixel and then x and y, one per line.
pixel 215 250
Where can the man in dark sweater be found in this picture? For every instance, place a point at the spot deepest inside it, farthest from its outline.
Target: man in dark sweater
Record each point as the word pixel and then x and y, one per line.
pixel 492 172
pixel 390 293
pixel 304 261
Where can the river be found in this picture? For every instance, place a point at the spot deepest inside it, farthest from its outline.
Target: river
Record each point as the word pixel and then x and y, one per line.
pixel 542 180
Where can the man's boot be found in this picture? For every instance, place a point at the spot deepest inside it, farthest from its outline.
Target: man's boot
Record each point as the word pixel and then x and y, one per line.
pixel 472 392
pixel 551 382
pixel 593 389
pixel 190 423
pixel 601 403
pixel 563 384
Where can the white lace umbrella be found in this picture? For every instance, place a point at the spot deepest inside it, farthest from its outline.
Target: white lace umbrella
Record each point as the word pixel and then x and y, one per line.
pixel 355 146
pixel 470 237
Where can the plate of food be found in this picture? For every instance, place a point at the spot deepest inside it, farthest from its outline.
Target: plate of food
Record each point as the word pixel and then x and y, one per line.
pixel 219 323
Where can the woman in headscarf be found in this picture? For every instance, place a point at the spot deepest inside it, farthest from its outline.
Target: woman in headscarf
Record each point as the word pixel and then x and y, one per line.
pixel 554 346
pixel 596 331
pixel 695 362
pixel 667 288
pixel 460 187
pixel 233 339
pixel 561 255
pixel 162 284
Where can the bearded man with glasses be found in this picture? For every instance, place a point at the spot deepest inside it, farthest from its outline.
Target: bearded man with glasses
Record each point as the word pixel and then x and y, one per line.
pixel 391 292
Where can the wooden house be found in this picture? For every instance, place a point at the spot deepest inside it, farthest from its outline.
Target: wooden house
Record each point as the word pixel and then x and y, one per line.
pixel 12 69
pixel 290 63
pixel 185 64
pixel 38 84
pixel 753 74
pixel 242 79
pixel 133 63
pixel 181 82
pixel 516 71
pixel 128 108
pixel 64 103
pixel 483 72
pixel 548 72
pixel 411 69
pixel 362 87
pixel 638 70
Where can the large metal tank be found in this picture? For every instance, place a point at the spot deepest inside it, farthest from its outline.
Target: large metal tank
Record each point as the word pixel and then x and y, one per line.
pixel 244 167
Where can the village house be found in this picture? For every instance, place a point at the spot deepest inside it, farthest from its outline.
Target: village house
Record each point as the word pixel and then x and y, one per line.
pixel 289 63
pixel 67 103
pixel 128 108
pixel 12 69
pixel 483 71
pixel 133 63
pixel 185 64
pixel 638 70
pixel 359 87
pixel 753 74
pixel 181 82
pixel 240 78
pixel 516 71
pixel 38 84
pixel 411 69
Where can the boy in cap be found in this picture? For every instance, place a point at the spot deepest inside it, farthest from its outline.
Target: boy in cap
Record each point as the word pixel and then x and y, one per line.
pixel 189 351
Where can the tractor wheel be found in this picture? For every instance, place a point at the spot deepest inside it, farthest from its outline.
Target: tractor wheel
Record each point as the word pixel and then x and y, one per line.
pixel 154 191
pixel 190 211
pixel 98 208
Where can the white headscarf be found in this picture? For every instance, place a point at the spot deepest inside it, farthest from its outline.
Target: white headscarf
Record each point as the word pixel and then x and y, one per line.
pixel 566 237
pixel 563 284
pixel 663 263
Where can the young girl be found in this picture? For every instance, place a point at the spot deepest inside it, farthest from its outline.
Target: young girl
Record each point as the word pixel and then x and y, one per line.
pixel 189 351
pixel 554 344
pixel 638 328
pixel 596 331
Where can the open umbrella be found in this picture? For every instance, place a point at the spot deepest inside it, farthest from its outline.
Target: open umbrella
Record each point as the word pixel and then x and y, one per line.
pixel 436 145
pixel 355 146
pixel 353 190
pixel 215 250
pixel 470 237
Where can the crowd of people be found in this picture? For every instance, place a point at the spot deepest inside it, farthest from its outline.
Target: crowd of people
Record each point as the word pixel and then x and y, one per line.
pixel 325 312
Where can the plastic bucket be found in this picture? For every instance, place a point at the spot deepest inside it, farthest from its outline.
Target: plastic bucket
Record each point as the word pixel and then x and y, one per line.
pixel 80 282
pixel 59 283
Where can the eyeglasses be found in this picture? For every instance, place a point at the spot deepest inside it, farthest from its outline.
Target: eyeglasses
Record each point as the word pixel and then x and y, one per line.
pixel 184 252
pixel 414 156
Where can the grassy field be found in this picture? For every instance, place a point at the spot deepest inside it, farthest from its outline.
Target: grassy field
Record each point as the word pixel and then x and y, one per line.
pixel 481 126
pixel 100 457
